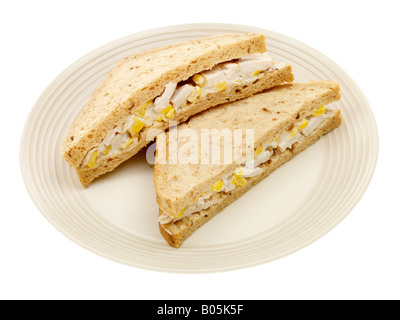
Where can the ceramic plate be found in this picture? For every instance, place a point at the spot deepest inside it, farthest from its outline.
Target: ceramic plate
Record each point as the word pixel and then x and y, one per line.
pixel 116 216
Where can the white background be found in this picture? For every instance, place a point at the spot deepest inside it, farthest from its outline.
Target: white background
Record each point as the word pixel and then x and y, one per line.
pixel 359 259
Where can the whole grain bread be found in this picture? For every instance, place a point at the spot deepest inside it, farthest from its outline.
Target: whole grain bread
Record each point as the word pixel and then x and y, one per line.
pixel 142 77
pixel 269 114
pixel 177 232
pixel 232 93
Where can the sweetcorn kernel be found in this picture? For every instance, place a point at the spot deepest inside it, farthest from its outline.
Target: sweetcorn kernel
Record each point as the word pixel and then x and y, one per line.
pixel 180 214
pixel 137 125
pixel 241 182
pixel 165 111
pixel 92 161
pixel 170 114
pixel 239 171
pixel 304 124
pixel 220 86
pixel 195 94
pixel 256 73
pixel 294 133
pixel 107 150
pixel 199 80
pixel 142 110
pixel 217 185
pixel 319 112
pixel 259 150
pixel 127 143
pixel 238 180
pixel 234 179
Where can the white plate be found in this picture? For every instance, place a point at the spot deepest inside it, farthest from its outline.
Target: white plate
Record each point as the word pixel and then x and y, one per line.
pixel 116 217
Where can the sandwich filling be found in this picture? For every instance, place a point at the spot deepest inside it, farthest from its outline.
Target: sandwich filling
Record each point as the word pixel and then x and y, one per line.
pixel 252 168
pixel 177 96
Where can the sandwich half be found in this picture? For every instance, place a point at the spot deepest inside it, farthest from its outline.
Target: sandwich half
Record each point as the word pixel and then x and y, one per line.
pixel 149 89
pixel 283 121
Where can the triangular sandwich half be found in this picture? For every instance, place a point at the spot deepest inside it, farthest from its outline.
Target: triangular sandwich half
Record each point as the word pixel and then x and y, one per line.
pixel 284 121
pixel 148 89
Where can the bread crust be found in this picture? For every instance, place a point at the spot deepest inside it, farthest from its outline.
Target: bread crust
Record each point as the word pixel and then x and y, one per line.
pixel 176 233
pixel 142 77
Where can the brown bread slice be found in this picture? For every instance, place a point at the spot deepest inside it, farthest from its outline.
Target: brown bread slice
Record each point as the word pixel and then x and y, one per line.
pixel 142 77
pixel 269 114
pixel 233 93
pixel 175 233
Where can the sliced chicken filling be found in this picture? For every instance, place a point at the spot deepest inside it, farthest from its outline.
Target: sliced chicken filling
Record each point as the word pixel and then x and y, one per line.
pixel 177 96
pixel 252 168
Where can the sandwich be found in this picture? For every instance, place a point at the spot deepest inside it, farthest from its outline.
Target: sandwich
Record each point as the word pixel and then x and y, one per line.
pixel 149 89
pixel 284 121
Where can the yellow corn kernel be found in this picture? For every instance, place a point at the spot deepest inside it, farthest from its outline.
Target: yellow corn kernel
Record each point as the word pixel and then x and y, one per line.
pixel 234 179
pixel 217 185
pixel 127 143
pixel 195 94
pixel 170 114
pixel 238 180
pixel 256 73
pixel 239 172
pixel 304 124
pixel 92 161
pixel 167 110
pixel 220 86
pixel 294 133
pixel 142 110
pixel 259 150
pixel 241 182
pixel 107 150
pixel 137 125
pixel 199 80
pixel 319 112
pixel 181 213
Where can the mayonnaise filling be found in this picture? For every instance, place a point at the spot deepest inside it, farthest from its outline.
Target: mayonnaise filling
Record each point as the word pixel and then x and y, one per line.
pixel 177 96
pixel 252 167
